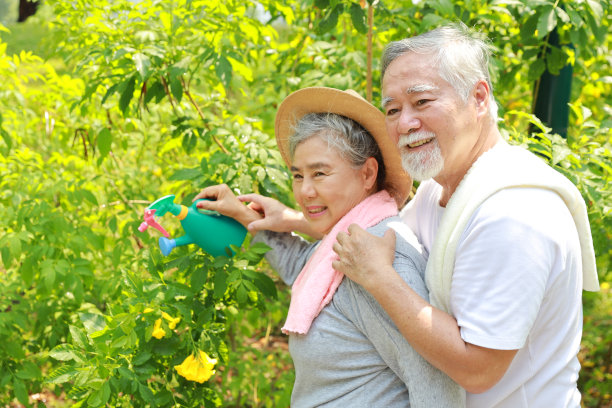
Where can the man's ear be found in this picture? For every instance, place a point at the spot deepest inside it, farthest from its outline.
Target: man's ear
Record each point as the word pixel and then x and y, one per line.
pixel 481 95
pixel 369 172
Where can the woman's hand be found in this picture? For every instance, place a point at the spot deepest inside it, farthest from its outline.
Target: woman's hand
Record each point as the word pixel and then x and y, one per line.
pixel 223 200
pixel 276 216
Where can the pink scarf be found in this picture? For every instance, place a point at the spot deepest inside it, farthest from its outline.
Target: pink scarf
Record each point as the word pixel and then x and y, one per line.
pixel 317 282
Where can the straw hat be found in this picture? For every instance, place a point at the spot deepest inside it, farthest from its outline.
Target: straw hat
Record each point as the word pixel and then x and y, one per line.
pixel 350 104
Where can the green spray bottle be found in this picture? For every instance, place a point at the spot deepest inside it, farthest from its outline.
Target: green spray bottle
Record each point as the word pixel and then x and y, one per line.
pixel 211 231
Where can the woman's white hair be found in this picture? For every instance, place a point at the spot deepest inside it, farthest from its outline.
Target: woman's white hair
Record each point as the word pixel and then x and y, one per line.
pixel 462 59
pixel 351 140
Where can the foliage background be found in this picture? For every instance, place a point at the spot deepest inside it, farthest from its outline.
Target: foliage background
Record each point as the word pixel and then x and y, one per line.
pixel 106 106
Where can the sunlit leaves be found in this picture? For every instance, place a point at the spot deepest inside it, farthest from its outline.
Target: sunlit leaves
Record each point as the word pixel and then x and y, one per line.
pixel 104 141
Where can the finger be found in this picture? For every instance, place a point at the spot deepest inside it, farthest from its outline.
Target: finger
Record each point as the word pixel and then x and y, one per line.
pixel 337 248
pixel 341 237
pixel 355 229
pixel 389 237
pixel 252 197
pixel 256 207
pixel 209 192
pixel 208 205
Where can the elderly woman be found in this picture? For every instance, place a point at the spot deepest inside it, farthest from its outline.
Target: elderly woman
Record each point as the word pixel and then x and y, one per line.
pixel 346 350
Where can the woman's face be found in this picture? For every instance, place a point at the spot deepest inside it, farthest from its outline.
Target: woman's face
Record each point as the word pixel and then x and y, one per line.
pixel 325 185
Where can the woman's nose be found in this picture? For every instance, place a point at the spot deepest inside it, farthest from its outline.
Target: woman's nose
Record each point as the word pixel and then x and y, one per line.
pixel 307 189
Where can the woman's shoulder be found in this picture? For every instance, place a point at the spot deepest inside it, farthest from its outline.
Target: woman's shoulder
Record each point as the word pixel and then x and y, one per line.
pixel 406 242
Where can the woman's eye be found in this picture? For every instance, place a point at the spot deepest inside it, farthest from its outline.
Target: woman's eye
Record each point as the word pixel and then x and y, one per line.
pixel 297 176
pixel 319 174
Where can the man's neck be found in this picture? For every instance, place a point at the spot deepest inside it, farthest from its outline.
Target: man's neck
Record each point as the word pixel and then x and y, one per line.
pixel 450 182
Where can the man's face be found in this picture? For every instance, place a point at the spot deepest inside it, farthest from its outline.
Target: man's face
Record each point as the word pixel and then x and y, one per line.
pixel 434 128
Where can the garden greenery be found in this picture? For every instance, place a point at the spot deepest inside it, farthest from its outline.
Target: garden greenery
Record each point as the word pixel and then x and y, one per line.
pixel 127 101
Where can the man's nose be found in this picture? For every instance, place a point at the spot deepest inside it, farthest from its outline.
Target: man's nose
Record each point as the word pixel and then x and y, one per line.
pixel 407 122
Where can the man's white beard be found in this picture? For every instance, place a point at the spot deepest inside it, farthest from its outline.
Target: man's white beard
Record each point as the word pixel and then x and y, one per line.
pixel 425 163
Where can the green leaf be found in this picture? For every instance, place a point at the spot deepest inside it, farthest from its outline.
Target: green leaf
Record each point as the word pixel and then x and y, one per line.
pixel 156 90
pixel 93 322
pixel 198 279
pixel 26 270
pixel 20 391
pixel 127 94
pixel 358 18
pixel 104 141
pixel 220 282
pixel 14 349
pixel 330 20
pixel 5 136
pixel 63 352
pixel 596 8
pixel 223 69
pixel 28 371
pixel 546 22
pixel 444 7
pixel 111 90
pixel 536 69
pixel 176 88
pixel 265 285
pixel 431 20
pixel 186 174
pixel 143 63
pixel 61 375
pixel 79 338
pixel 146 393
pixel 142 358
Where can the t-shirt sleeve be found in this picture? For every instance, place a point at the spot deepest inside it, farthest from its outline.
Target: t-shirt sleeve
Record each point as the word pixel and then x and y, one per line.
pixel 427 386
pixel 502 267
pixel 289 253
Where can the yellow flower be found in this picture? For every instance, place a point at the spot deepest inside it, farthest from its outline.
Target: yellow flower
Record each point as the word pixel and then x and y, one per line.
pixel 172 322
pixel 148 310
pixel 197 369
pixel 158 332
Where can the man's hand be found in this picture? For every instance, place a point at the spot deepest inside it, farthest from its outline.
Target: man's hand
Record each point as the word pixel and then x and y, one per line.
pixel 361 254
pixel 276 216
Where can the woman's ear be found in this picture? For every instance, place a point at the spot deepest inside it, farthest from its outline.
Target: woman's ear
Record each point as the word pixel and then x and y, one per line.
pixel 369 172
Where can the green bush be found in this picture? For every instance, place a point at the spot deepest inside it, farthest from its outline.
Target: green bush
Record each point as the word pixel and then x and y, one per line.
pixel 132 101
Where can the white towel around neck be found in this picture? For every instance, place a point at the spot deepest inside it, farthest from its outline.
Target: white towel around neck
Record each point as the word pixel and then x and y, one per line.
pixel 502 167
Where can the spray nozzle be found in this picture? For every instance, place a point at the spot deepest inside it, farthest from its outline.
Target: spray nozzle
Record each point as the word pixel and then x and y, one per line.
pixel 149 221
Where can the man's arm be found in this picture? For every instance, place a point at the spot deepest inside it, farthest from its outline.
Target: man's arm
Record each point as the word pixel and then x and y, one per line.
pixel 277 217
pixel 432 333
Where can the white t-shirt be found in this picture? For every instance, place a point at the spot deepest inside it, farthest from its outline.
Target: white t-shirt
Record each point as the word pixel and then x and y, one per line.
pixel 517 284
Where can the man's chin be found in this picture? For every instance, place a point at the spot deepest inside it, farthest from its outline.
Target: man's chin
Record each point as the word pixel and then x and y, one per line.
pixel 418 173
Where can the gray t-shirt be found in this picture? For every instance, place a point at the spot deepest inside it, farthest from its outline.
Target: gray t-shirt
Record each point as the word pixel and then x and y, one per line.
pixel 354 355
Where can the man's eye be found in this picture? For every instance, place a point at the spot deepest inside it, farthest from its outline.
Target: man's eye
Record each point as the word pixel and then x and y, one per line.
pixel 422 101
pixel 392 111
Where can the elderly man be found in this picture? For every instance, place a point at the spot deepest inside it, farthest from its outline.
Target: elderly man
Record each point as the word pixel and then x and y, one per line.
pixel 508 238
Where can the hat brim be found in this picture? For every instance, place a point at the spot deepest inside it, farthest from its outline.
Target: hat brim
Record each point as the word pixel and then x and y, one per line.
pixel 350 104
